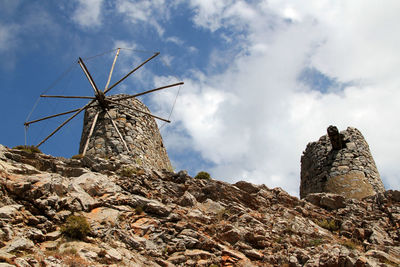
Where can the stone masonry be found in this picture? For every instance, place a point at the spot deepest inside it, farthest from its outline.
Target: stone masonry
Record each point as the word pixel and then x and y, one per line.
pixel 139 131
pixel 348 170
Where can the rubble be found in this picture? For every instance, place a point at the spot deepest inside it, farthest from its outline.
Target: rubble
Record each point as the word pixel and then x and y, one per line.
pixel 162 218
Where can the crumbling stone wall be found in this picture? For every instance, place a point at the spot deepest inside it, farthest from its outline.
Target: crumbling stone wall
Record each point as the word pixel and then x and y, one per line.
pixel 139 131
pixel 347 168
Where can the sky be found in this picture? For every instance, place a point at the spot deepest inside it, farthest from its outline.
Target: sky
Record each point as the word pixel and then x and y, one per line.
pixel 262 78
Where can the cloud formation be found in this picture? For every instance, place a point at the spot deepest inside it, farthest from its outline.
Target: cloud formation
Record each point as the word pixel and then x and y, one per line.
pixel 88 13
pixel 253 120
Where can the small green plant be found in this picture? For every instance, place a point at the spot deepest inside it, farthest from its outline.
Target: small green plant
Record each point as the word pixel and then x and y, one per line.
pixel 315 242
pixel 70 251
pixel 139 161
pixel 130 171
pixel 138 210
pixel 348 243
pixel 29 149
pixel 75 227
pixel 330 225
pixel 78 156
pixel 203 175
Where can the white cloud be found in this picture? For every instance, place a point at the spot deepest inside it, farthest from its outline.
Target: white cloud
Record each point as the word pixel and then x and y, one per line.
pixel 175 40
pixel 8 37
pixel 145 11
pixel 215 14
pixel 88 13
pixel 255 119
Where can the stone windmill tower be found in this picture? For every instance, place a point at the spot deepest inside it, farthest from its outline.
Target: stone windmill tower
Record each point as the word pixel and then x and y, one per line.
pixel 340 163
pixel 138 135
pixel 117 124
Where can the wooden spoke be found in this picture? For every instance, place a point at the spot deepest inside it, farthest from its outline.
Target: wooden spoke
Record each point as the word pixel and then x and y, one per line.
pixel 112 69
pixel 132 71
pixel 149 91
pixel 116 128
pixel 138 110
pixel 102 103
pixel 65 122
pixel 64 96
pixel 49 117
pixel 90 133
pixel 88 76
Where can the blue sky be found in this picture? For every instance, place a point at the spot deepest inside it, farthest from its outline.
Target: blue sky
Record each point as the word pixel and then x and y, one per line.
pixel 262 78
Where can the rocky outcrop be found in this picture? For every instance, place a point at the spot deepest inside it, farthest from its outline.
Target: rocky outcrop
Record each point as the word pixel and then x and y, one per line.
pixel 145 217
pixel 340 163
pixel 140 133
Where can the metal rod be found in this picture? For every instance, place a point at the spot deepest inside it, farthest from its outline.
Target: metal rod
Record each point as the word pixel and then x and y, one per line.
pixel 63 96
pixel 132 71
pixel 116 128
pixel 88 76
pixel 149 91
pixel 138 110
pixel 90 133
pixel 112 69
pixel 65 122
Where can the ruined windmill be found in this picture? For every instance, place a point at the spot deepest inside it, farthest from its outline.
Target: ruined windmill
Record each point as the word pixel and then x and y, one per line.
pixel 117 124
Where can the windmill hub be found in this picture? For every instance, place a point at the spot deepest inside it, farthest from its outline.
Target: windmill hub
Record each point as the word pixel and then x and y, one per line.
pixel 101 99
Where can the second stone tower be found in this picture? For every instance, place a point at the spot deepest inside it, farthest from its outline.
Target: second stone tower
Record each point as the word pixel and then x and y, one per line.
pixel 340 163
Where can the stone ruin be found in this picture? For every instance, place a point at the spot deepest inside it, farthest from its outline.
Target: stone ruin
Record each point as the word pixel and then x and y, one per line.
pixel 139 131
pixel 340 163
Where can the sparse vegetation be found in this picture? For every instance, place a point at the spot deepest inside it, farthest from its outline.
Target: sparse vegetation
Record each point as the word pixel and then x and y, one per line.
pixel 139 161
pixel 130 171
pixel 76 227
pixel 203 175
pixel 350 244
pixel 29 149
pixel 70 251
pixel 315 242
pixel 138 210
pixel 78 156
pixel 330 225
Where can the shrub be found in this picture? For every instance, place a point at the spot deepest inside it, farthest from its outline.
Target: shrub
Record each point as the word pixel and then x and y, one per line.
pixel 76 227
pixel 328 224
pixel 203 175
pixel 79 156
pixel 29 149
pixel 315 242
pixel 349 244
pixel 138 210
pixel 130 171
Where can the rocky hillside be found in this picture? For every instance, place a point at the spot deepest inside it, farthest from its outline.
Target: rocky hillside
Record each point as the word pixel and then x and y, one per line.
pixel 95 212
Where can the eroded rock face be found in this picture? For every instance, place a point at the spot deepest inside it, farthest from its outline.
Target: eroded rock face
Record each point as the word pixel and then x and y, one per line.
pixel 340 163
pixel 139 131
pixel 153 218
